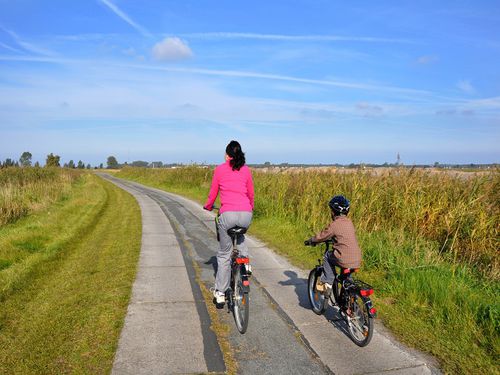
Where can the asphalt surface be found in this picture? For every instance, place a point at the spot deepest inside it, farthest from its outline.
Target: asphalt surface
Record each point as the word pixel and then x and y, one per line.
pixel 284 336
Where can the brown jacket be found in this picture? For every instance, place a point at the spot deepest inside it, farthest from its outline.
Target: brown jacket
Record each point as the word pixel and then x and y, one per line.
pixel 346 251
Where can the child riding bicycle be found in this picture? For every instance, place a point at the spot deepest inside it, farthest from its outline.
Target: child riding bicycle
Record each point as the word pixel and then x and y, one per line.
pixel 346 252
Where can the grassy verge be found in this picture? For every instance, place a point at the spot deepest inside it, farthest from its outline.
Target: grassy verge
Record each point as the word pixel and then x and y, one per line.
pixel 436 296
pixel 67 279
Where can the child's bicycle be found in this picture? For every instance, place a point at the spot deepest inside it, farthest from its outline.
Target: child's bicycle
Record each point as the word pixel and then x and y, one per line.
pixel 351 296
pixel 237 295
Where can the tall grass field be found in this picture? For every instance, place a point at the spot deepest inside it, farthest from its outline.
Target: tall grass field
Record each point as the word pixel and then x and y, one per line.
pixel 25 190
pixel 69 248
pixel 430 245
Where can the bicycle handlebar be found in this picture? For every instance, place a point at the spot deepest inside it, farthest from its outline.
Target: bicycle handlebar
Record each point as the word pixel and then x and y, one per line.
pixel 310 243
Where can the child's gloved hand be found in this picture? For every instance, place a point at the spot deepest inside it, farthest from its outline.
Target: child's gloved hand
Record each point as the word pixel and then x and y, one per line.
pixel 309 242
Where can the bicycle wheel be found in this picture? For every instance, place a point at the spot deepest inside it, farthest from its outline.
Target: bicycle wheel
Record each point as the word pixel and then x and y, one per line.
pixel 241 302
pixel 360 322
pixel 317 299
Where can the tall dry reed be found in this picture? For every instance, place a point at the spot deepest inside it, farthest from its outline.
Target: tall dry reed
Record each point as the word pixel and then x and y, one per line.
pixel 25 190
pixel 461 213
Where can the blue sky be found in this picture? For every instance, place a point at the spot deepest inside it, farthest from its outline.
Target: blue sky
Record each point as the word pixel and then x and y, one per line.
pixel 294 81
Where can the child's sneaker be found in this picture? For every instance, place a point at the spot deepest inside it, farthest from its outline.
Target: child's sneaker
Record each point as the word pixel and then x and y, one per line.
pixel 219 297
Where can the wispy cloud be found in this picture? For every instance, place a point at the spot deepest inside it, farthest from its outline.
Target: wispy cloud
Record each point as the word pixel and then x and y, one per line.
pixel 466 86
pixel 427 59
pixel 3 45
pixel 125 17
pixel 277 77
pixel 228 73
pixel 26 45
pixel 171 49
pixel 369 110
pixel 318 38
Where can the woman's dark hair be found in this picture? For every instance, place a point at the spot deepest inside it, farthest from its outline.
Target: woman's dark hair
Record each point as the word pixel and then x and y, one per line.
pixel 233 150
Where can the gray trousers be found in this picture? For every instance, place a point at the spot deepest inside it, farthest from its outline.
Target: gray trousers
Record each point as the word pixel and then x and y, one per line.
pixel 228 220
pixel 328 262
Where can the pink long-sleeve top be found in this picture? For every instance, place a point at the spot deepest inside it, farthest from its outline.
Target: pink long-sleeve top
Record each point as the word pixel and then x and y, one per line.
pixel 236 188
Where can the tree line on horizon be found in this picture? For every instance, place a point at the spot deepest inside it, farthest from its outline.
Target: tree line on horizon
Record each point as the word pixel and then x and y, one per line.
pixel 52 160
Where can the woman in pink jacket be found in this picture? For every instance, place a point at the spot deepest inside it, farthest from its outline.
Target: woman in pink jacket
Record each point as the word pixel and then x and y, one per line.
pixel 233 180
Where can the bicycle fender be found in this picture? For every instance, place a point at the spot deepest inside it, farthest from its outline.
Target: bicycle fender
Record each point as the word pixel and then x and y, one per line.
pixel 246 284
pixel 369 305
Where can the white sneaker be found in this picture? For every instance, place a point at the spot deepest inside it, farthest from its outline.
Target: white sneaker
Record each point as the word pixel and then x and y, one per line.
pixel 219 297
pixel 248 268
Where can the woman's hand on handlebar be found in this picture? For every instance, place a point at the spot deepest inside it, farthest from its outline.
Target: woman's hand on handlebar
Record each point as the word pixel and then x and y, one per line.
pixel 210 208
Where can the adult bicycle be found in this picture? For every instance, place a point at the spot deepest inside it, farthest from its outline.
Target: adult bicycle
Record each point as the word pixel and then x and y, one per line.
pixel 350 295
pixel 237 295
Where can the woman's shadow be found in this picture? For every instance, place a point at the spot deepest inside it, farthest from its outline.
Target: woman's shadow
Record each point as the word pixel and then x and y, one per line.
pixel 213 262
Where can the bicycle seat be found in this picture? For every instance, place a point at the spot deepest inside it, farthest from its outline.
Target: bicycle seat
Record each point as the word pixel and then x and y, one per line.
pixel 235 231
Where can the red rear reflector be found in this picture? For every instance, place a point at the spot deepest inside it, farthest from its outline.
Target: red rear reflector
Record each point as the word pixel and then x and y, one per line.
pixel 347 270
pixel 246 283
pixel 366 292
pixel 242 260
pixel 373 311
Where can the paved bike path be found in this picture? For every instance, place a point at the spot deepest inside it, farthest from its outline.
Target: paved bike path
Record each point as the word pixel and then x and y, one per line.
pixel 166 330
pixel 269 347
pixel 286 287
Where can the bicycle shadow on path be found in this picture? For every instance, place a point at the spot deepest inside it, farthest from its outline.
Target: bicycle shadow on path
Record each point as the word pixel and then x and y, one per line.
pixel 332 314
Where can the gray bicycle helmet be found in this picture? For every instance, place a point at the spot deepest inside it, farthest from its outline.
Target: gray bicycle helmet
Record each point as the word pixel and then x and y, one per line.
pixel 339 205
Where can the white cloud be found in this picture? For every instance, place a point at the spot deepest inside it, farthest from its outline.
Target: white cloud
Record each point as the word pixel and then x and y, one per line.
pixel 466 87
pixel 428 59
pixel 171 49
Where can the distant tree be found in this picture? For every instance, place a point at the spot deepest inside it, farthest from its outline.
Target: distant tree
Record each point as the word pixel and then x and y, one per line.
pixel 37 165
pixel 156 164
pixel 52 160
pixel 88 166
pixel 112 163
pixel 267 163
pixel 25 159
pixel 139 163
pixel 436 164
pixel 9 163
pixel 80 165
pixel 71 164
pixel 65 165
pixel 101 166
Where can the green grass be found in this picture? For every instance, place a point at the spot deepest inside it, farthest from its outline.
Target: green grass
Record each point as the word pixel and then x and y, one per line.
pixel 434 297
pixel 66 281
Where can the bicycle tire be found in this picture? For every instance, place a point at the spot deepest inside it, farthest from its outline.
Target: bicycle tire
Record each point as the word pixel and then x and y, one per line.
pixel 317 299
pixel 360 322
pixel 241 302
